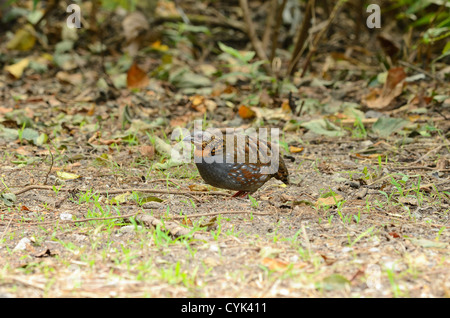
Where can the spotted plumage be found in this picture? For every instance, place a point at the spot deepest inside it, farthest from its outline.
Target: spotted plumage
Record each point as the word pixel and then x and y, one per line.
pixel 236 161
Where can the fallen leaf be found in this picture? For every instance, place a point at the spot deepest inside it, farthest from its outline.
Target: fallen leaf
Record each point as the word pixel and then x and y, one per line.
pixel 410 200
pixel 328 260
pixel 121 198
pixel 109 141
pixel 385 126
pixel 73 79
pixel 67 175
pixel 147 151
pixel 145 198
pixel 136 77
pixel 17 69
pixel 135 27
pixel 294 149
pixel 334 282
pixel 159 47
pixel 274 264
pixel 187 222
pixel 4 110
pixel 329 200
pixel 45 252
pixel 323 127
pixel 23 39
pixel 393 87
pixel 8 198
pixel 427 243
pixel 246 112
pixel 198 187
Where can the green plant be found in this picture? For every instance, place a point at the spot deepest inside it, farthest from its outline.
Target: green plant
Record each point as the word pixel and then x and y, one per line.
pixel 253 201
pixel 359 131
pixel 253 72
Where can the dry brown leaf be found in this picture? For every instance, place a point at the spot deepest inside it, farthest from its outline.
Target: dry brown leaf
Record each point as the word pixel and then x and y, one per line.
pixel 4 110
pixel 17 69
pixel 135 27
pixel 23 40
pixel 274 264
pixel 393 87
pixel 109 141
pixel 277 264
pixel 246 112
pixel 136 77
pixel 329 200
pixel 198 187
pixel 74 79
pixel 147 151
pixel 294 149
pixel 22 151
pixel 187 222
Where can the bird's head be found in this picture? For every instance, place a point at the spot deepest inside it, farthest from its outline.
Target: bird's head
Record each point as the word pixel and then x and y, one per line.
pixel 200 138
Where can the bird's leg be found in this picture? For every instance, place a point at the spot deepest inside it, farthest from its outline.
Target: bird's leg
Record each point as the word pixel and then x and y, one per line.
pixel 240 194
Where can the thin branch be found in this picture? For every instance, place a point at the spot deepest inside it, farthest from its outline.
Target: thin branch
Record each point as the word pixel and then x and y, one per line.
pixel 217 213
pixel 51 166
pixel 427 154
pixel 272 11
pixel 251 32
pixel 82 220
pixel 115 191
pixel 172 227
pixel 320 35
pixel 278 21
pixel 302 36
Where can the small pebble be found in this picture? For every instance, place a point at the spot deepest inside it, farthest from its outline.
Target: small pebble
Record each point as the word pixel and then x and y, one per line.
pixel 130 229
pixel 22 245
pixel 153 205
pixel 65 216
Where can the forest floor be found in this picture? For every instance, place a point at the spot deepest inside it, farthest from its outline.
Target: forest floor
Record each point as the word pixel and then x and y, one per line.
pixel 366 213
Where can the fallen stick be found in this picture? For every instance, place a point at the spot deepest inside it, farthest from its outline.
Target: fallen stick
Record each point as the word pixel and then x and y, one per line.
pixel 172 227
pixel 115 191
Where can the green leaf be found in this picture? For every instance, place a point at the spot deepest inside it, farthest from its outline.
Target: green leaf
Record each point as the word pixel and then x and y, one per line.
pixel 334 282
pixel 243 57
pixel 323 127
pixel 446 48
pixel 144 198
pixel 427 243
pixel 8 198
pixel 385 126
pixel 42 139
pixel 30 135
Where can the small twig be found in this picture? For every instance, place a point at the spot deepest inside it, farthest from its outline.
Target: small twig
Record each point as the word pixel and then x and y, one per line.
pixel 306 238
pixel 83 220
pixel 172 227
pixel 276 31
pixel 7 226
pixel 418 69
pixel 420 167
pixel 320 35
pixel 164 180
pixel 115 191
pixel 272 11
pixel 427 154
pixel 302 36
pixel 251 32
pixel 51 166
pixel 217 213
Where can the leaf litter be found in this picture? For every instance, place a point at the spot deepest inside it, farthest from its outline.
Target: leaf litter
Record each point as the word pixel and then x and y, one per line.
pixel 366 214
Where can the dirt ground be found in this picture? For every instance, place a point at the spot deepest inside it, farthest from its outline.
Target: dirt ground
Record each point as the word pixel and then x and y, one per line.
pixel 366 245
pixel 93 205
